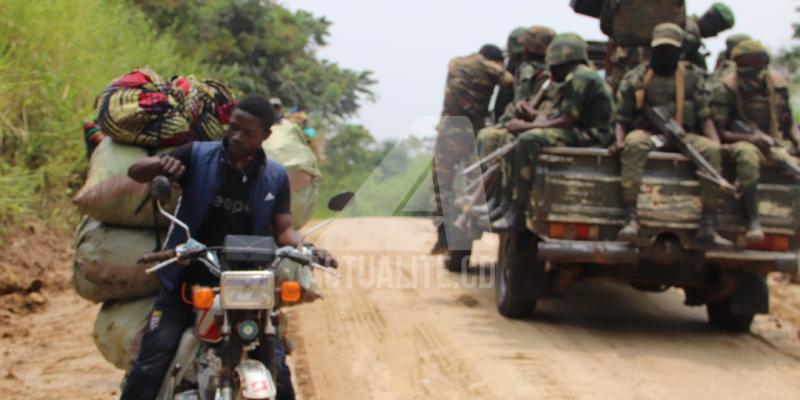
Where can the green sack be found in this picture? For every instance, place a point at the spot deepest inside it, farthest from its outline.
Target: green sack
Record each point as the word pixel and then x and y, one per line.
pixel 119 328
pixel 105 266
pixel 630 23
pixel 289 145
pixel 110 196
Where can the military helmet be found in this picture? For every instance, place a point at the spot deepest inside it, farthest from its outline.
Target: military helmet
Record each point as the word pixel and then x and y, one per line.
pixel 566 48
pixel 514 46
pixel 725 14
pixel 536 39
pixel 733 40
pixel 748 47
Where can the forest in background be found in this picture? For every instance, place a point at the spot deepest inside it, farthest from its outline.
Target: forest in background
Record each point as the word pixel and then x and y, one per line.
pixel 56 57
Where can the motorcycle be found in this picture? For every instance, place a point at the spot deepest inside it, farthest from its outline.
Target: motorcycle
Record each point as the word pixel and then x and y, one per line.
pixel 229 354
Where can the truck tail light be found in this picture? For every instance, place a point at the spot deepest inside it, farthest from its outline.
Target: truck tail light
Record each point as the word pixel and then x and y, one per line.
pixel 778 243
pixel 573 231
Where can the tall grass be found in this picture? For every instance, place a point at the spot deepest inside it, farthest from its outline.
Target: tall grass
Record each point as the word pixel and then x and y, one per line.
pixel 55 58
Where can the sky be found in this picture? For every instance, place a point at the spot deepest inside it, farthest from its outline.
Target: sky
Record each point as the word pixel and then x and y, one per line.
pixel 407 44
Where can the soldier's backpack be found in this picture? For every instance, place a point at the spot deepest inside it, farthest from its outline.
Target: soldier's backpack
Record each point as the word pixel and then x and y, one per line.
pixel 630 22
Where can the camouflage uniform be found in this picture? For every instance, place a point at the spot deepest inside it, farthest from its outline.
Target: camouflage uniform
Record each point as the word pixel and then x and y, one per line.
pixel 638 143
pixel 515 53
pixel 588 99
pixel 754 108
pixel 694 50
pixel 470 83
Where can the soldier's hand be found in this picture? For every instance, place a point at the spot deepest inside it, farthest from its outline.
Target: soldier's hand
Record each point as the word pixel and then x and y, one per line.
pixel 516 125
pixel 524 110
pixel 171 167
pixel 763 142
pixel 616 147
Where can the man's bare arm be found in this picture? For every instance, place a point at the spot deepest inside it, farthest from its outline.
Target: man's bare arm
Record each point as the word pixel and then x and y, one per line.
pixel 147 169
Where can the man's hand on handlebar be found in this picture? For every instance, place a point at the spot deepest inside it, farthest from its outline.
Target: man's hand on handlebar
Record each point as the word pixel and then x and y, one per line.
pixel 325 258
pixel 171 167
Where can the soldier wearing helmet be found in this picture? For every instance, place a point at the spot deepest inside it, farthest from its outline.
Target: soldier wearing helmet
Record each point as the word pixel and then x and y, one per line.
pixel 529 78
pixel 725 63
pixel 576 111
pixel 757 98
pixel 515 54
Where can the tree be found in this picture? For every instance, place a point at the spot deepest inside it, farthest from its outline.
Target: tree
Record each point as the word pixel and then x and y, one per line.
pixel 261 47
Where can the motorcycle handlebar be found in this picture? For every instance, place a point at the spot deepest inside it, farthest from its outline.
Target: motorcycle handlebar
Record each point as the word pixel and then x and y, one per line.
pixel 156 257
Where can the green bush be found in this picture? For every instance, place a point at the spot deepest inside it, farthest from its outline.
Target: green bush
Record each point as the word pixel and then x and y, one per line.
pixel 55 58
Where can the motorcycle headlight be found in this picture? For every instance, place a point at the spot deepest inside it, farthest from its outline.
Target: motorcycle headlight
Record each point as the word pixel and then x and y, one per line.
pixel 247 290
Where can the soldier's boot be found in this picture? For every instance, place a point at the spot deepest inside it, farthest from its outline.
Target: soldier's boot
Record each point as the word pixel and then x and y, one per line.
pixel 513 220
pixel 707 235
pixel 630 232
pixel 440 247
pixel 754 232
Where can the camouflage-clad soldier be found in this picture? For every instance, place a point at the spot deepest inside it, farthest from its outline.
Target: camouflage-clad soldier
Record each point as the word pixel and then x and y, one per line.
pixel 529 78
pixel 717 19
pixel 470 83
pixel 757 97
pixel 515 57
pixel 658 83
pixel 725 64
pixel 584 107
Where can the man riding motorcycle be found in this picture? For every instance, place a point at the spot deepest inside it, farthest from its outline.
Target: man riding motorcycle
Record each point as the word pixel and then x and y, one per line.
pixel 229 188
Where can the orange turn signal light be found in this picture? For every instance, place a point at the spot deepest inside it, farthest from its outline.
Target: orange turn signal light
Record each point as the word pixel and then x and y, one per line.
pixel 291 292
pixel 202 297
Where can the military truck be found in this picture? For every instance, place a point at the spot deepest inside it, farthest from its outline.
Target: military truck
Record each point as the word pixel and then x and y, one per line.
pixel 576 210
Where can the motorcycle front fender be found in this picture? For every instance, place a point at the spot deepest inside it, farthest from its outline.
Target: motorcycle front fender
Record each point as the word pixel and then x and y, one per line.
pixel 256 380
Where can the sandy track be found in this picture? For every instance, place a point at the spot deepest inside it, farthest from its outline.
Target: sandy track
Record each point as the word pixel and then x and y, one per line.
pixel 369 340
pixel 397 326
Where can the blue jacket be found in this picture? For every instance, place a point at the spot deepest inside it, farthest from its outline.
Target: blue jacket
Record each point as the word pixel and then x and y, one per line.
pixel 199 191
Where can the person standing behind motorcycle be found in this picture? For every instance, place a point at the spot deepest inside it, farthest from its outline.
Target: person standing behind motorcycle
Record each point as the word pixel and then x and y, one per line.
pixel 229 188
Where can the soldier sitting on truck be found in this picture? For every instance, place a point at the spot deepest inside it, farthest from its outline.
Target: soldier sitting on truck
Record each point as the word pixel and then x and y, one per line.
pixel 750 107
pixel 529 78
pixel 725 64
pixel 681 86
pixel 584 109
pixel 717 19
pixel 514 58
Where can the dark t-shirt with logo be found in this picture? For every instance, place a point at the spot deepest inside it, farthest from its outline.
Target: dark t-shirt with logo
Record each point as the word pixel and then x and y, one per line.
pixel 230 212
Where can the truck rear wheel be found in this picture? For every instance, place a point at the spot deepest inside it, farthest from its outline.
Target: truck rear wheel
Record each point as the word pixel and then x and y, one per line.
pixel 515 274
pixel 720 316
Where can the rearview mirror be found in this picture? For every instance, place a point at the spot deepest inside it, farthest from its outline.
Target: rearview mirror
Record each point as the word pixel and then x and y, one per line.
pixel 340 201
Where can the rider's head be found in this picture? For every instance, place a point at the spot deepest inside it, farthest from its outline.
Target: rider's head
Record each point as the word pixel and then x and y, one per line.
pixel 249 126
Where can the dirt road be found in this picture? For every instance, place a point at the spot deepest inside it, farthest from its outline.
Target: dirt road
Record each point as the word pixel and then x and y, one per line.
pixel 397 326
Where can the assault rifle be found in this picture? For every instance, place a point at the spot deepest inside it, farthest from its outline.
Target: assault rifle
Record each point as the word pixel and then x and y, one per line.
pixel 662 119
pixel 777 151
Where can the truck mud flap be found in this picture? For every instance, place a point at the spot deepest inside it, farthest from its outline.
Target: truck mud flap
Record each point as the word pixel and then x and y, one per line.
pixel 751 295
